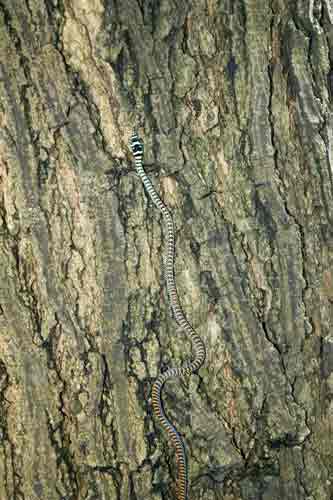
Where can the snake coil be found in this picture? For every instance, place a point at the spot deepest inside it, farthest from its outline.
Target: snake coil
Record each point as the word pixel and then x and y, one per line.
pixel 198 346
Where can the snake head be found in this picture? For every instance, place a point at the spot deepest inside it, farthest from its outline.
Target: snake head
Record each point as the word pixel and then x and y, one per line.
pixel 136 145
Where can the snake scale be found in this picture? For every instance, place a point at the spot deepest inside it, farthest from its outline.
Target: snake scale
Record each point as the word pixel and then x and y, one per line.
pixel 198 346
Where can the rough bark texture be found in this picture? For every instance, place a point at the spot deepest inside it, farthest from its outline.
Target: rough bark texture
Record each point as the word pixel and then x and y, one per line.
pixel 235 102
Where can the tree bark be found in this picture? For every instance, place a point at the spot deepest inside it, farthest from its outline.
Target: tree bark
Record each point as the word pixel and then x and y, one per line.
pixel 233 100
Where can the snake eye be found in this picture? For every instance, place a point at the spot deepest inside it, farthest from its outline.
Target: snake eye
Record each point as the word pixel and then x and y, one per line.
pixel 136 148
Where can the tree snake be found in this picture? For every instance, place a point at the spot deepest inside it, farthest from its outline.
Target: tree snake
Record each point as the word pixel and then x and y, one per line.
pixel 198 346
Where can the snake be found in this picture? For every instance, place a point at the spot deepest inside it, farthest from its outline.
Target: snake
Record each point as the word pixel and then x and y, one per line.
pixel 198 347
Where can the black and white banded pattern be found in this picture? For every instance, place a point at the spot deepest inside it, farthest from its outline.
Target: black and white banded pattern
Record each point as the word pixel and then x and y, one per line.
pixel 198 346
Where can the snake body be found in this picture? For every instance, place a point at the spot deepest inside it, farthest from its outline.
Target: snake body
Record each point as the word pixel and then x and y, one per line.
pixel 198 346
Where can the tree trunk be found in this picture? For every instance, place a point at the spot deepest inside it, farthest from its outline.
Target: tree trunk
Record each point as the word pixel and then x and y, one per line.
pixel 233 100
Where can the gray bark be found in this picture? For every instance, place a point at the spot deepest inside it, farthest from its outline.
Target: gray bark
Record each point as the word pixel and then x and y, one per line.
pixel 233 100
